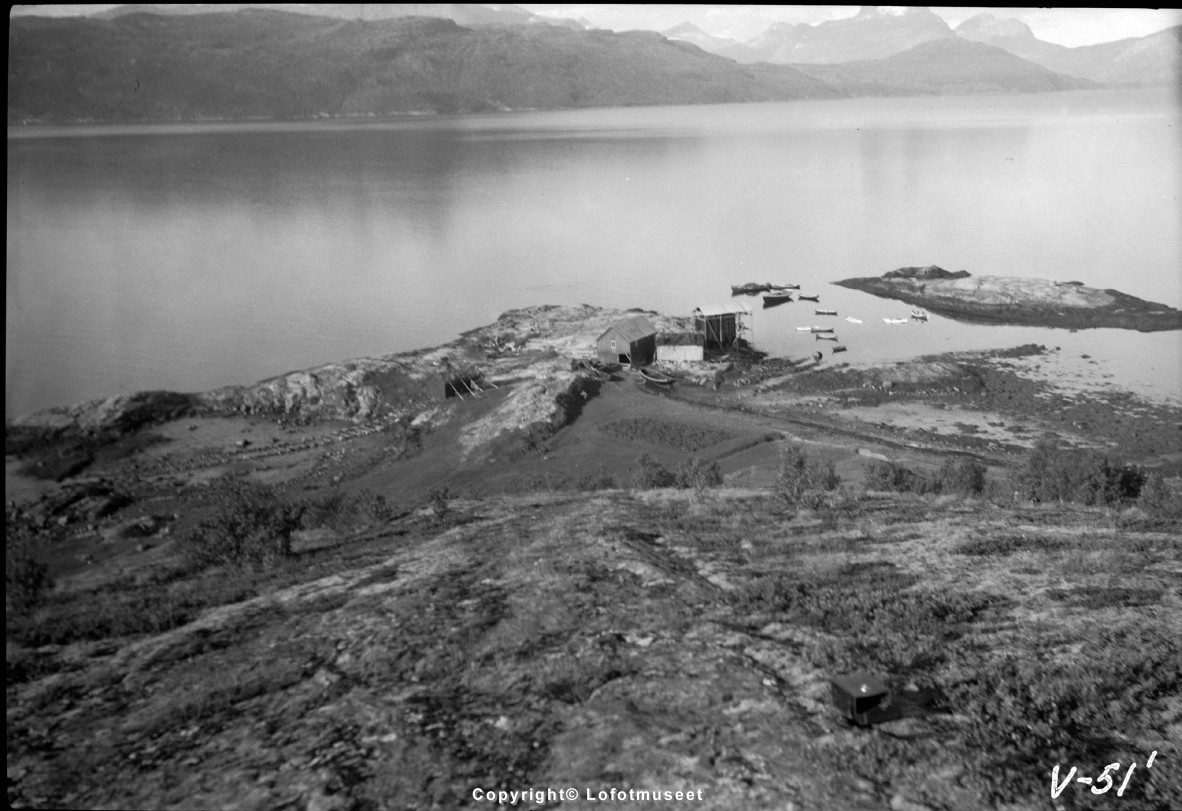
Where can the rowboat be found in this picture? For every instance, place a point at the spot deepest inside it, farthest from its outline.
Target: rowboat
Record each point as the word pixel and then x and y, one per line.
pixel 777 297
pixel 826 312
pixel 820 329
pixel 839 348
pixel 749 289
pixel 820 337
pixel 853 320
pixel 803 297
pixel 656 378
pixel 895 320
pixel 804 329
pixel 919 315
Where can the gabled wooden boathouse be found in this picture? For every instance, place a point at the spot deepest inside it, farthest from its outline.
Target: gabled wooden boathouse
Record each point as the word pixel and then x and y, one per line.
pixel 632 342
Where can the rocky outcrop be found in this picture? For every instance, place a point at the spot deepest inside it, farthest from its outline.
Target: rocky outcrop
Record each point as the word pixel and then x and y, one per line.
pixel 1018 301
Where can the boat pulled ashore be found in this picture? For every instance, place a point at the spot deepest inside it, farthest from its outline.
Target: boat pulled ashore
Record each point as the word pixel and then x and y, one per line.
pixel 655 377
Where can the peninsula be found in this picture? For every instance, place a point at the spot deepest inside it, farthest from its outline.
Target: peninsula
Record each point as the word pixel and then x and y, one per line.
pixel 1018 301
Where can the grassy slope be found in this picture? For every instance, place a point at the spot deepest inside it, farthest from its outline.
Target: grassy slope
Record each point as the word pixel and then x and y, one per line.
pixel 655 639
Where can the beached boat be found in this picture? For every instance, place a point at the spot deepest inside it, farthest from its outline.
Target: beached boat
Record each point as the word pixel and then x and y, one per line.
pixel 895 320
pixel 803 297
pixel 853 320
pixel 919 315
pixel 656 378
pixel 826 312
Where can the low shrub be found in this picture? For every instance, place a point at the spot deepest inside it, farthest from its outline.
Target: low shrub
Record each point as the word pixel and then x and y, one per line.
pixel 693 473
pixel 649 473
pixel 698 475
pixel 955 476
pixel 1158 499
pixel 803 482
pixel 1052 473
pixel 252 527
pixel 1025 712
pixel 25 578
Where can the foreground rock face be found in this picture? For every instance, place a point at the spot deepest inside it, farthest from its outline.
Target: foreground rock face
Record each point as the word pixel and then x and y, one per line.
pixel 1018 301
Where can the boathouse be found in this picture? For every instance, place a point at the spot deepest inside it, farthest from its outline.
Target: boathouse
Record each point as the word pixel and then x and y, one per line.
pixel 680 347
pixel 720 325
pixel 632 342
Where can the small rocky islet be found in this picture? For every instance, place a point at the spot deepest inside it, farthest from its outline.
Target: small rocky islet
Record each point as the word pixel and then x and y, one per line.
pixel 1017 301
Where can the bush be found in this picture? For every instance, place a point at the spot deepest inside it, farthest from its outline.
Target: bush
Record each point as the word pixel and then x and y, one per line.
pixel 1158 499
pixel 25 577
pixel 252 528
pixel 345 512
pixel 439 503
pixel 964 476
pixel 650 473
pixel 698 475
pixel 803 482
pixel 1051 473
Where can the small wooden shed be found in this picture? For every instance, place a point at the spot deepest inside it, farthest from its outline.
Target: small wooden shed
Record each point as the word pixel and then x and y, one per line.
pixel 632 341
pixel 721 324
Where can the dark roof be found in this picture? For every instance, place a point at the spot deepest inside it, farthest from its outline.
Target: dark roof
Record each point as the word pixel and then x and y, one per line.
pixel 630 329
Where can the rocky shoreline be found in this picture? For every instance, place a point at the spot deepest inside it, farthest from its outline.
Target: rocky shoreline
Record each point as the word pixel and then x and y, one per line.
pixel 1017 301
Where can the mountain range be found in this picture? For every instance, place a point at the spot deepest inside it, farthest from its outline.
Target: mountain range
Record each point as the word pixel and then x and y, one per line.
pixel 884 31
pixel 134 63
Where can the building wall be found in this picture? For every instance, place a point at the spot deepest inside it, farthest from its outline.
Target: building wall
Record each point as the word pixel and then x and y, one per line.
pixel 642 350
pixel 684 353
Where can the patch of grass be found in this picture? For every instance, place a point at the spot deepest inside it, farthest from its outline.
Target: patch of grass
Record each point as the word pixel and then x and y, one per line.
pixel 876 612
pixel 1011 543
pixel 667 433
pixel 1096 597
pixel 1024 712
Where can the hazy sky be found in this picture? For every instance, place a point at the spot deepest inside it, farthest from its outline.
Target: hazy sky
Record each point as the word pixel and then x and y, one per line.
pixel 1065 26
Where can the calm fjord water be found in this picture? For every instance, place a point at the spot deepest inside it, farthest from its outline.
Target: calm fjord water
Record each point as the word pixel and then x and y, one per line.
pixel 190 257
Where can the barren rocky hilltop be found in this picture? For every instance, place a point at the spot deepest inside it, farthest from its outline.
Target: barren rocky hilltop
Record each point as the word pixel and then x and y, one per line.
pixel 502 565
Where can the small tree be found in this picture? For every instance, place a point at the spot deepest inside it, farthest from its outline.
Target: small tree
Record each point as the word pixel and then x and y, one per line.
pixel 253 528
pixel 803 482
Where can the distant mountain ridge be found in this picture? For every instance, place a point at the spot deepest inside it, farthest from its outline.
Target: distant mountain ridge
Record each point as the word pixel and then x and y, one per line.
pixel 947 66
pixel 1149 60
pixel 462 13
pixel 877 32
pixel 261 64
pixel 873 33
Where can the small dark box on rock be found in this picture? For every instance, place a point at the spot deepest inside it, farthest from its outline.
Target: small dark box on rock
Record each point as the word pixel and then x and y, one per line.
pixel 859 696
